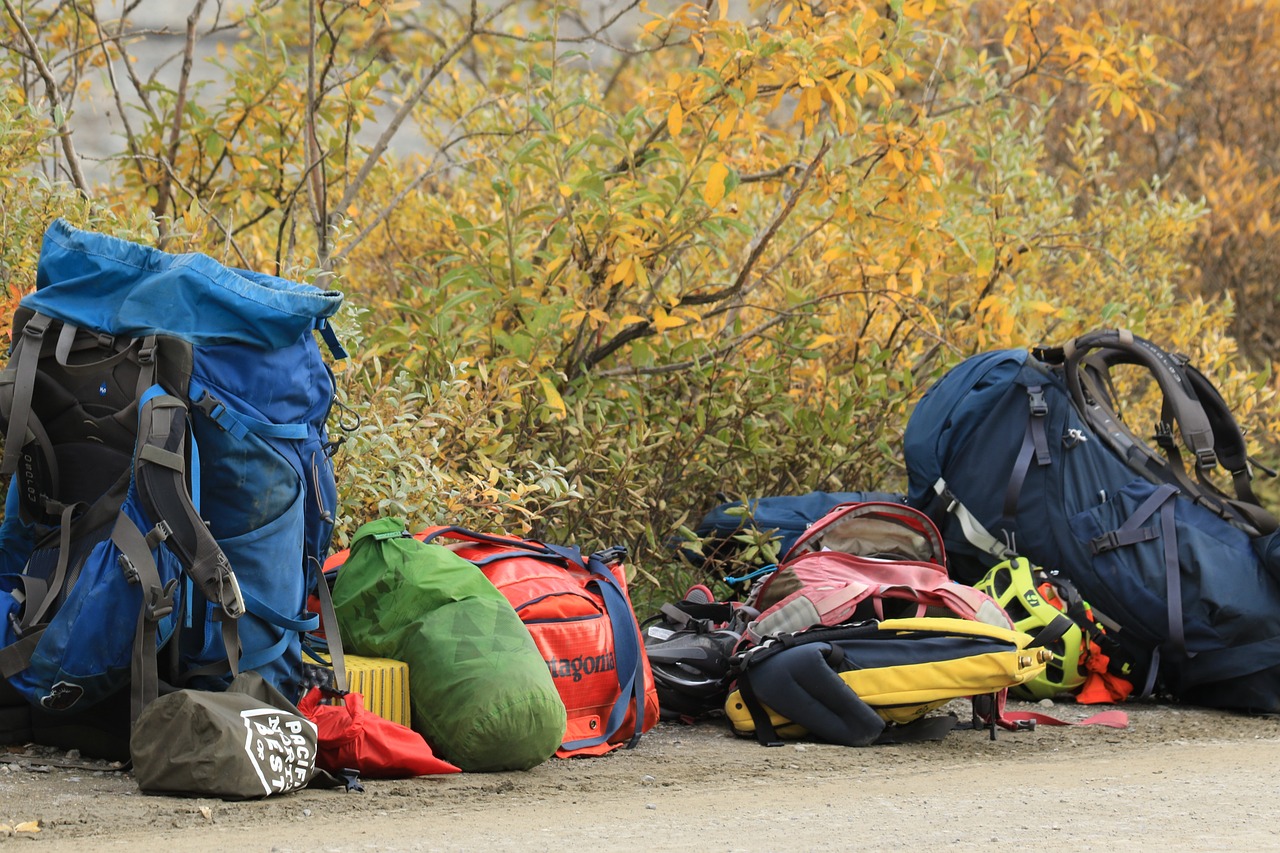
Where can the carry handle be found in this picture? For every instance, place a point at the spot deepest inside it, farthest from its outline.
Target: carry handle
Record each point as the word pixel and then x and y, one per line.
pixel 536 550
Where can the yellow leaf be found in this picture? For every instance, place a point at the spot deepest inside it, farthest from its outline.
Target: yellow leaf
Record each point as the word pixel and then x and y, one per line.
pixel 566 190
pixel 632 319
pixel 725 126
pixel 598 315
pixel 713 192
pixel 675 119
pixel 1009 34
pixel 724 10
pixel 663 321
pixel 1041 307
pixel 785 14
pixel 571 317
pixel 623 271
pixel 552 396
pixel 860 85
pixel 896 159
pixel 822 341
pixel 885 82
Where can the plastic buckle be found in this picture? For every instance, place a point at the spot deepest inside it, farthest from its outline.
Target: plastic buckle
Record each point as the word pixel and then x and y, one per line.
pixel 1039 406
pixel 147 352
pixel 1108 541
pixel 952 501
pixel 212 407
pixel 160 533
pixel 106 341
pixel 1206 459
pixel 159 603
pixel 130 570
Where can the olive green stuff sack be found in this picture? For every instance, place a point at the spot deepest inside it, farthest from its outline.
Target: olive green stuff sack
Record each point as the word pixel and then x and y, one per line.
pixel 480 692
pixel 245 743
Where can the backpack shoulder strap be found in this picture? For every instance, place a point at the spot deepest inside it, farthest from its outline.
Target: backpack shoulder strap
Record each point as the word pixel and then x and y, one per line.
pixel 161 472
pixel 1190 401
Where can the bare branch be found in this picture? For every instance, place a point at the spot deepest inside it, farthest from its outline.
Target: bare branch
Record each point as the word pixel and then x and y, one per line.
pixel 55 102
pixel 393 127
pixel 131 138
pixel 316 200
pixel 766 237
pixel 179 107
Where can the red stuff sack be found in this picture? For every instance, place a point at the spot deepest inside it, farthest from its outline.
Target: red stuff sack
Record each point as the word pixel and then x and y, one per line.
pixel 579 613
pixel 352 736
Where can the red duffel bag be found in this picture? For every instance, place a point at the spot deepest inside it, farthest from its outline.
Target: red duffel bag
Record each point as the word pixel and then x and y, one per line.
pixel 579 613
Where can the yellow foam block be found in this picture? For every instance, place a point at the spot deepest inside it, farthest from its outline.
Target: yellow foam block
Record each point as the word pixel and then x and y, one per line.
pixel 384 683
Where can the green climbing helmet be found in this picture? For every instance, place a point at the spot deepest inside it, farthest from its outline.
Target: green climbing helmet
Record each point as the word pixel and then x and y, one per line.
pixel 1013 586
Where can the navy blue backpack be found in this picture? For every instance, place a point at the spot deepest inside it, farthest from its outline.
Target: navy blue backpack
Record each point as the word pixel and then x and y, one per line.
pixel 783 517
pixel 1018 453
pixel 172 495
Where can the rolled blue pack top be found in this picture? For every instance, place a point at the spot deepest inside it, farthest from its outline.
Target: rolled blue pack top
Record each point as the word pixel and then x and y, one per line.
pixel 164 420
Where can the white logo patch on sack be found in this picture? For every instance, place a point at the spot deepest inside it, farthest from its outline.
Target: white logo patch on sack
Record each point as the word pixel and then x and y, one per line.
pixel 279 749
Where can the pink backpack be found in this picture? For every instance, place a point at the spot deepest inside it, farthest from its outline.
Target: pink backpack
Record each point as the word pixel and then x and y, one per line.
pixel 871 560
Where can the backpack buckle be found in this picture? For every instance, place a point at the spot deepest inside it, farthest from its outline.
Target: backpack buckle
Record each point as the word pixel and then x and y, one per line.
pixel 1206 459
pixel 159 602
pixel 147 351
pixel 160 533
pixel 130 570
pixel 1164 436
pixel 1108 541
pixel 1039 406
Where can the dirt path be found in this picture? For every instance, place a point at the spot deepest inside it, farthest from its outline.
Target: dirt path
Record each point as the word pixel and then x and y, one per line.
pixel 1177 778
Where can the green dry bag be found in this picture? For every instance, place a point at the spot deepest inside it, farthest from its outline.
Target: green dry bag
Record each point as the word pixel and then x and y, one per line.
pixel 481 693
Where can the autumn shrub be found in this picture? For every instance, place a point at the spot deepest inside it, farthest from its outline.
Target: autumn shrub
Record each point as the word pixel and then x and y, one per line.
pixel 608 263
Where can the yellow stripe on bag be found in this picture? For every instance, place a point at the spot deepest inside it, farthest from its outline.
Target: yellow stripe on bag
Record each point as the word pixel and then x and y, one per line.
pixel 907 692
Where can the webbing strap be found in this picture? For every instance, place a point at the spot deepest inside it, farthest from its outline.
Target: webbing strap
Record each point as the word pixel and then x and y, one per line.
pixel 325 328
pixel 766 735
pixel 536 550
pixel 139 567
pixel 21 374
pixel 1161 500
pixel 1173 578
pixel 630 663
pixel 1034 444
pixel 974 532
pixel 160 472
pixel 332 634
pixel 238 423
pixel 34 612
pixel 16 656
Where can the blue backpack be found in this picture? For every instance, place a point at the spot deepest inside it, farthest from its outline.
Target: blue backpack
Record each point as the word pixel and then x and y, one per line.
pixel 1017 453
pixel 783 517
pixel 172 491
